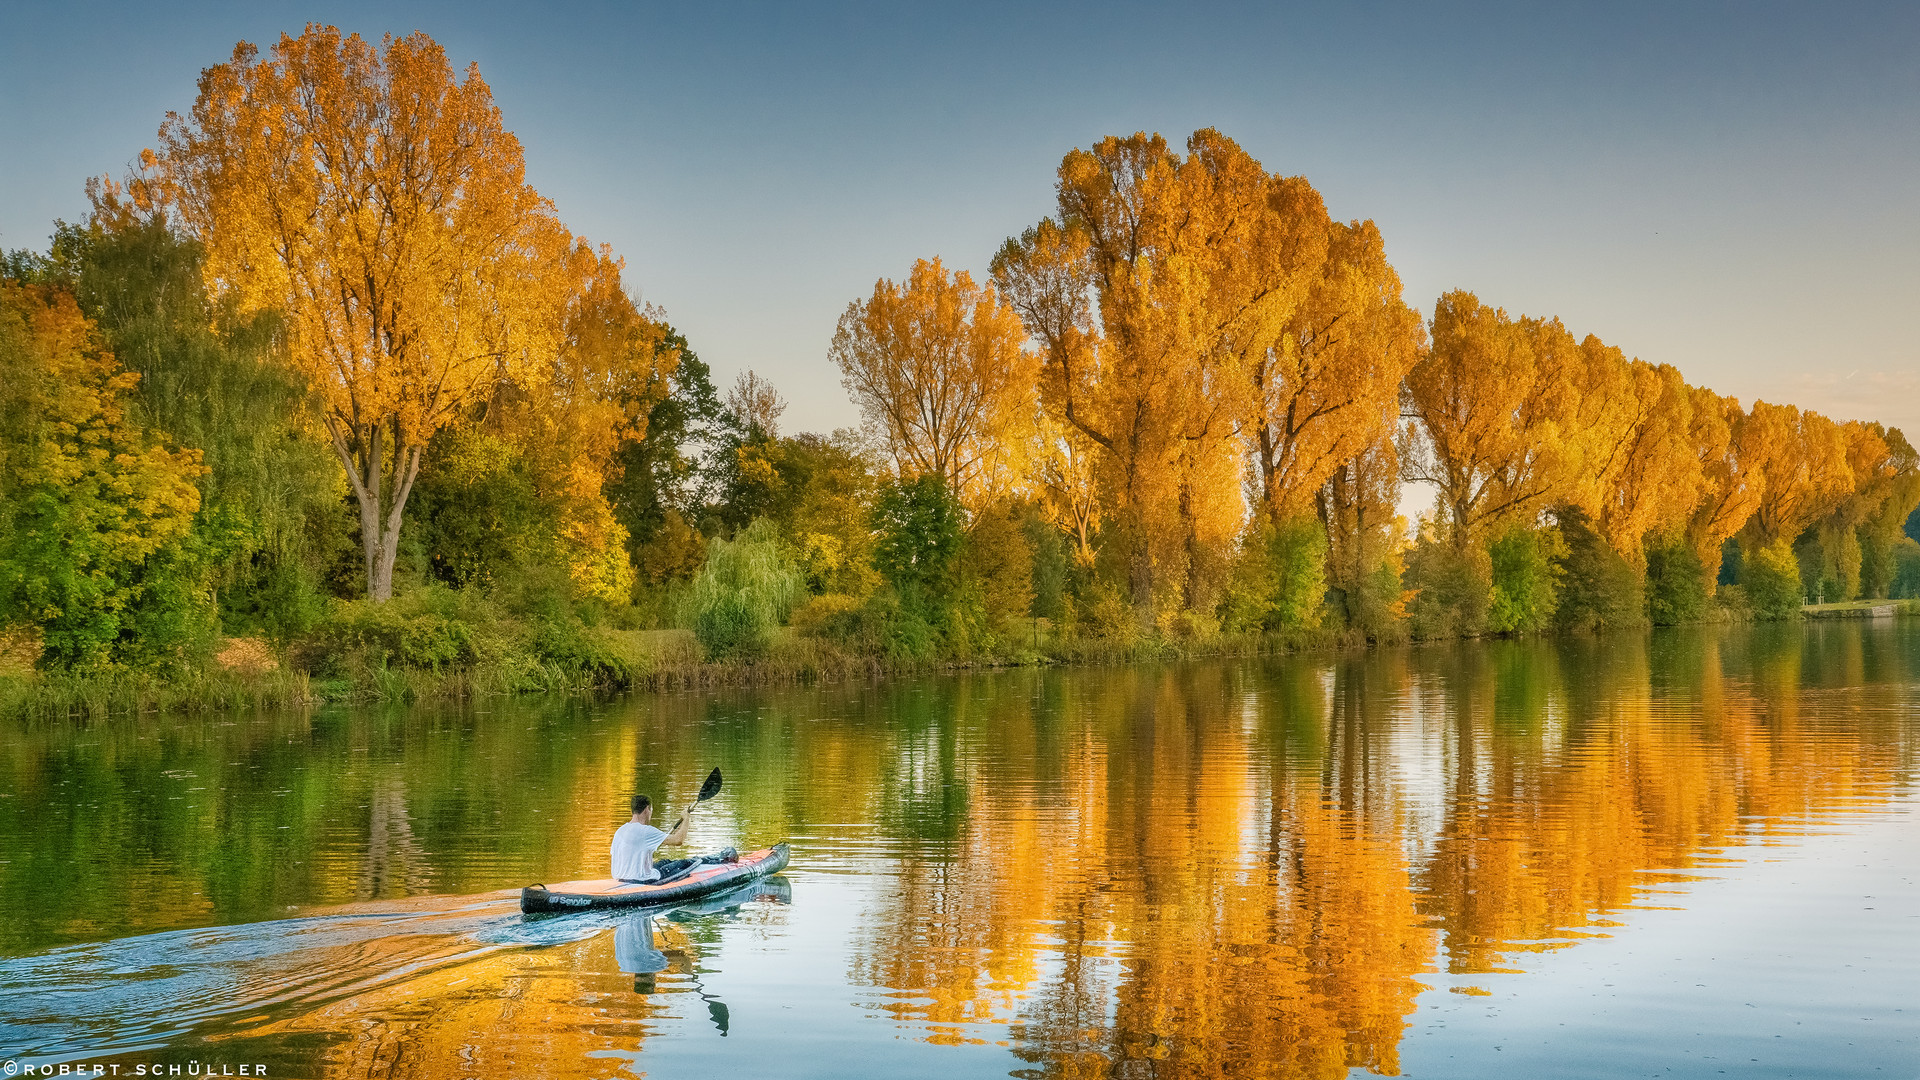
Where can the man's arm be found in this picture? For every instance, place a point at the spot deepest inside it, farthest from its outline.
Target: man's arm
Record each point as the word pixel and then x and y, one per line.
pixel 679 833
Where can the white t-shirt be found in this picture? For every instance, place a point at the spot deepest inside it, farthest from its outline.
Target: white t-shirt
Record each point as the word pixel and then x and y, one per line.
pixel 633 848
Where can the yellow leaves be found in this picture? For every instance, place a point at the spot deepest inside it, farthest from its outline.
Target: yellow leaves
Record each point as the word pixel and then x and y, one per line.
pixel 1327 387
pixel 756 469
pixel 595 546
pixel 1490 397
pixel 1802 460
pixel 1162 296
pixel 1638 470
pixel 938 368
pixel 375 199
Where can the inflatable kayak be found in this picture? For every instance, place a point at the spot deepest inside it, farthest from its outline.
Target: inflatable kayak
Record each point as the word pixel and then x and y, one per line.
pixel 706 878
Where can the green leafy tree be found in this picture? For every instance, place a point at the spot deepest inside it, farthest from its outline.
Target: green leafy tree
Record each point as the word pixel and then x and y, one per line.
pixel 1906 569
pixel 270 498
pixel 660 475
pixel 95 512
pixel 1676 583
pixel 919 527
pixel 1450 593
pixel 1598 589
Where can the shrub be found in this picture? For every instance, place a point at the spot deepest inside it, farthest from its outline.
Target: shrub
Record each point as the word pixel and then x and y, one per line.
pixel 1378 606
pixel 833 616
pixel 743 593
pixel 1771 580
pixel 420 629
pixel 1525 580
pixel 1676 584
pixel 1450 593
pixel 1279 581
pixel 1597 589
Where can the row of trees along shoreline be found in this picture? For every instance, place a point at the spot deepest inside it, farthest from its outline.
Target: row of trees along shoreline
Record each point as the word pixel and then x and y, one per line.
pixel 325 386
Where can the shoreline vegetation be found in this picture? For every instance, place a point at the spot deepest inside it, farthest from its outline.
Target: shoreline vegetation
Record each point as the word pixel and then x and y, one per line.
pixel 271 433
pixel 248 674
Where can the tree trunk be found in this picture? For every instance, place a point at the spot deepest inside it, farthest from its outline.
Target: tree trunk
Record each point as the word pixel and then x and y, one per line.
pixel 1140 576
pixel 381 489
pixel 1190 596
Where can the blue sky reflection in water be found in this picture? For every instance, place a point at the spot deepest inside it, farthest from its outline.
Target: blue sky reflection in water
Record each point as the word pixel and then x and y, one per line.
pixel 1667 855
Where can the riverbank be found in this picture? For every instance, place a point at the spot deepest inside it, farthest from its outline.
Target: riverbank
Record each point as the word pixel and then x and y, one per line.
pixel 251 674
pixel 248 674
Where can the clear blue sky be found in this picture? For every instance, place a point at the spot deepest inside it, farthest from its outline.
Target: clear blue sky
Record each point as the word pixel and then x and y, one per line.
pixel 1733 189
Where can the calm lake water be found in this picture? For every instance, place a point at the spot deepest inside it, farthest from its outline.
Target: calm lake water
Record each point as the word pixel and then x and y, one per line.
pixel 1685 854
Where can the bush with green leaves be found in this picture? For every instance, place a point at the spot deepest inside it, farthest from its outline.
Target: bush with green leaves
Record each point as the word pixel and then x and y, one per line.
pixel 1450 593
pixel 743 594
pixel 431 628
pixel 1597 588
pixel 1770 575
pixel 1676 584
pixel 1279 580
pixel 1526 580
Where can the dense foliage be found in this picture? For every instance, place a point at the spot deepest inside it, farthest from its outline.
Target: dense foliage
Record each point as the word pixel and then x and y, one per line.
pixel 1181 410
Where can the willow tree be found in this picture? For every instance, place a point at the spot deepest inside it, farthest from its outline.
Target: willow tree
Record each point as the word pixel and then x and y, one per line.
pixel 375 199
pixel 939 368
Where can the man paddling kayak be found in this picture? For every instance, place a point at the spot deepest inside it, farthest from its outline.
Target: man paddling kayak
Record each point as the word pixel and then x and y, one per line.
pixel 635 842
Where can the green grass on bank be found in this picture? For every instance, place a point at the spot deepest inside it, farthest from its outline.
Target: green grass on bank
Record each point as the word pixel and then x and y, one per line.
pixel 448 646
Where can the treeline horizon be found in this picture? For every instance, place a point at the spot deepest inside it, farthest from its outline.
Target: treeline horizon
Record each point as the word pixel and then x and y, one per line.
pixel 325 372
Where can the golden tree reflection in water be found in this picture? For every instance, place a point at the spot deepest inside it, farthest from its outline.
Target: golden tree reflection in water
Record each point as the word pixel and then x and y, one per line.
pixel 1201 875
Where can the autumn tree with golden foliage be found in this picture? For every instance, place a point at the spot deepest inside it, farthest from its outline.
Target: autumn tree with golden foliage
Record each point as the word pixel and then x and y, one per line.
pixel 1803 462
pixel 1640 472
pixel 1490 398
pixel 374 198
pixel 1328 388
pixel 567 416
pixel 1725 443
pixel 939 368
pixel 1156 280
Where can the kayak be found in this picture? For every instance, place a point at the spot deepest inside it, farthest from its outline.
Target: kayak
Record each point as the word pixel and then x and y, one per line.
pixel 706 878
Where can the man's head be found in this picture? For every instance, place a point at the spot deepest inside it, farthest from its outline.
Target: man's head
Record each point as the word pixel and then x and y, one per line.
pixel 642 807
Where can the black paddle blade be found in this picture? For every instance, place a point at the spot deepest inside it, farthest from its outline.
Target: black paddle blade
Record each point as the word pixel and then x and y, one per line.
pixel 712 787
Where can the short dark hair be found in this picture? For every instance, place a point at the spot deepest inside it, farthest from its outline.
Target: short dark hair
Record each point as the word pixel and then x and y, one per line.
pixel 640 804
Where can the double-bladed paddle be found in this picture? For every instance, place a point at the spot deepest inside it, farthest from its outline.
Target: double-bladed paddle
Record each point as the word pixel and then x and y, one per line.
pixel 707 791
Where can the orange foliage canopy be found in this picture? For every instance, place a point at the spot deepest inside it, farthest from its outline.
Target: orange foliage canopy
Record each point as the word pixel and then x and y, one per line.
pixel 376 199
pixel 938 366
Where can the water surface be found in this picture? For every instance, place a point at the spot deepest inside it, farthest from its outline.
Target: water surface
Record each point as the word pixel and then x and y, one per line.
pixel 1683 854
